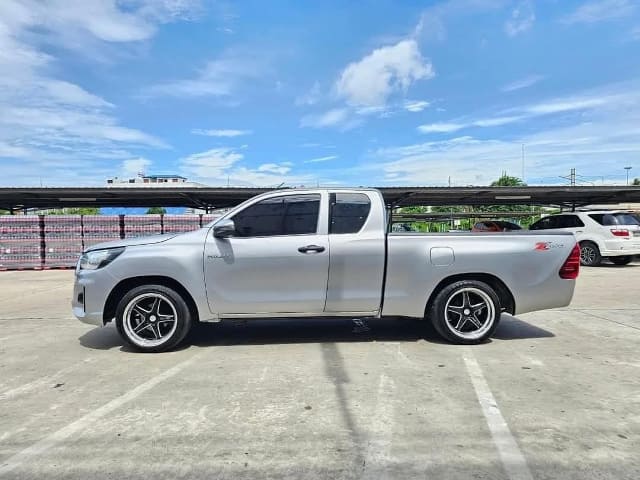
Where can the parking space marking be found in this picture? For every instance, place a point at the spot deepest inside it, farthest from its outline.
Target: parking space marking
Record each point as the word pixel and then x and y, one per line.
pixel 82 423
pixel 512 458
pixel 45 381
pixel 586 312
pixel 378 451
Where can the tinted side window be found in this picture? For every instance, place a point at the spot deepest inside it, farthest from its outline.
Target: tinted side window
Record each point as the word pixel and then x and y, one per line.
pixel 569 221
pixel 614 219
pixel 541 224
pixel 349 211
pixel 287 215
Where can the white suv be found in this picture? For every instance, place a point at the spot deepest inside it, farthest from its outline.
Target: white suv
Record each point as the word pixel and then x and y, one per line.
pixel 601 233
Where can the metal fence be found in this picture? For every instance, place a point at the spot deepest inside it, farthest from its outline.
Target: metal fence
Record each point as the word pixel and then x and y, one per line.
pixel 56 241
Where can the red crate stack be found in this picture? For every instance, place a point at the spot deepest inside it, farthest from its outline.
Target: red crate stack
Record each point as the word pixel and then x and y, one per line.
pixel 100 228
pixel 20 242
pixel 181 223
pixel 62 240
pixel 141 225
pixel 208 218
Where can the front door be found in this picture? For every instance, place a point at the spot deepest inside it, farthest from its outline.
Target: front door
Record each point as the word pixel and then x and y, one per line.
pixel 277 261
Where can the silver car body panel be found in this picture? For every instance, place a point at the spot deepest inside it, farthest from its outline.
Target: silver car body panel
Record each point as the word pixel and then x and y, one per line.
pixel 268 277
pixel 530 274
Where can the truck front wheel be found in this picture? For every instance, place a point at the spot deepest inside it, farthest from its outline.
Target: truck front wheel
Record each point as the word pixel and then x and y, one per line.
pixel 465 312
pixel 153 318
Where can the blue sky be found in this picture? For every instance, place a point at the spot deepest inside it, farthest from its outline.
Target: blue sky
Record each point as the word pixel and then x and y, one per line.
pixel 330 93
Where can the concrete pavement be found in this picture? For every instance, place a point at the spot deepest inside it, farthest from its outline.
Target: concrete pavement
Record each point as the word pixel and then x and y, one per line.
pixel 555 394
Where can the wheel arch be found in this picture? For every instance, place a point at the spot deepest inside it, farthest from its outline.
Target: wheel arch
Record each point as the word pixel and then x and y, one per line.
pixel 507 301
pixel 109 311
pixel 596 241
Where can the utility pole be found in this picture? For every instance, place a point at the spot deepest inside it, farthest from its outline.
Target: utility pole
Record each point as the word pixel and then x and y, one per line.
pixel 571 177
pixel 627 169
pixel 523 163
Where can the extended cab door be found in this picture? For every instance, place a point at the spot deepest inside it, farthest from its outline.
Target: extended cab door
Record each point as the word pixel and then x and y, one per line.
pixel 357 240
pixel 276 262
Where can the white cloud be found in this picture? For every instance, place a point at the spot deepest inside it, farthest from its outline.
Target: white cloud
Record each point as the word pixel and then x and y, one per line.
pixel 566 105
pixel 330 118
pixel 313 96
pixel 521 20
pixel 603 139
pixel 371 80
pixel 601 10
pixel 433 20
pixel 522 83
pixel 221 133
pixel 49 121
pixel 322 159
pixel 584 102
pixel 440 127
pixel 133 166
pixel 220 166
pixel 219 78
pixel 496 121
pixel 415 105
pixel 280 169
pixel 212 164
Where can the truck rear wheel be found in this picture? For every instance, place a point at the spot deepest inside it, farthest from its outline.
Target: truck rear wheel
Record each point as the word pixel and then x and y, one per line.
pixel 466 312
pixel 153 318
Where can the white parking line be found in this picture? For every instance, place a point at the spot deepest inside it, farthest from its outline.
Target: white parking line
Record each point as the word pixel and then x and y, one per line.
pixel 82 423
pixel 46 381
pixel 378 451
pixel 513 461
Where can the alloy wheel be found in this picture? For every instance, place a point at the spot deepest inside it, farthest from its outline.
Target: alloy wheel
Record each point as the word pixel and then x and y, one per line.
pixel 469 313
pixel 150 319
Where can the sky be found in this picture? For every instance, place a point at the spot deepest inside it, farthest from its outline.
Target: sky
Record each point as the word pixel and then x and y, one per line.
pixel 367 93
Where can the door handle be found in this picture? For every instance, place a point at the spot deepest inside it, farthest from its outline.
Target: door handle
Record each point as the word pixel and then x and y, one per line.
pixel 311 248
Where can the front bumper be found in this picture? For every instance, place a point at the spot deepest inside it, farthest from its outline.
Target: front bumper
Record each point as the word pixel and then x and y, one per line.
pixel 90 292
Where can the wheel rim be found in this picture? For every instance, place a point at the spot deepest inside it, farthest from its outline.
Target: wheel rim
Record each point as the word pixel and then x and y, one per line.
pixel 150 319
pixel 469 313
pixel 587 255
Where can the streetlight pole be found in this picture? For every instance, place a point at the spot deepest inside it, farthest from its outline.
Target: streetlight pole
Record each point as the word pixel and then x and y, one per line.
pixel 627 169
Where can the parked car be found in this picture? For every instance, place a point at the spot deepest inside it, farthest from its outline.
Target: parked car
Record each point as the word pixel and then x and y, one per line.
pixel 601 234
pixel 495 226
pixel 319 253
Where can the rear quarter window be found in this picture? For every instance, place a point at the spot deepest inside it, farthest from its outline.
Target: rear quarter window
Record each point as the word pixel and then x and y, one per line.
pixel 349 211
pixel 608 219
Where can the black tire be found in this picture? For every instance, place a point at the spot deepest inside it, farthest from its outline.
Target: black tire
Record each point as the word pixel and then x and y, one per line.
pixel 589 254
pixel 168 320
pixel 622 260
pixel 442 312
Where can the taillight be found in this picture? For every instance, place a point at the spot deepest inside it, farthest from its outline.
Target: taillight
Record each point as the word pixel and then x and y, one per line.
pixel 571 266
pixel 620 232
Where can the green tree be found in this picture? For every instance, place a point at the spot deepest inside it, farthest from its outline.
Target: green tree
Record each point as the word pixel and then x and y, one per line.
pixel 508 181
pixel 75 211
pixel 156 211
pixel 636 181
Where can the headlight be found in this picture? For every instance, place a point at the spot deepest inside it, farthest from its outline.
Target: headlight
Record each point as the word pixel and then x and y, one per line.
pixel 98 258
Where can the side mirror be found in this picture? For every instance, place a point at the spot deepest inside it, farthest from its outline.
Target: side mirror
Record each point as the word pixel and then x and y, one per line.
pixel 224 228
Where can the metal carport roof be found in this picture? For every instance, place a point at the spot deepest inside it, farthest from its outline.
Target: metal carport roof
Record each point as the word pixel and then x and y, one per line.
pixel 222 197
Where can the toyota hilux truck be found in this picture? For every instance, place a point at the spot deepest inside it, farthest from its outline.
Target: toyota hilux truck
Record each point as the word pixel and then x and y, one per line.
pixel 320 253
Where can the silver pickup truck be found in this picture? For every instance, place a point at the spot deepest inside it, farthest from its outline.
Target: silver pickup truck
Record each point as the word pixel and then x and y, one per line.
pixel 319 253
